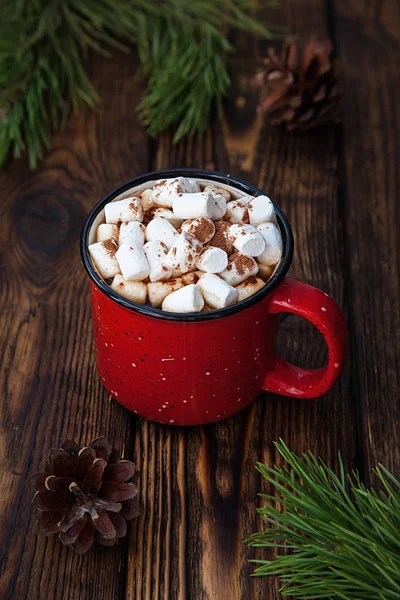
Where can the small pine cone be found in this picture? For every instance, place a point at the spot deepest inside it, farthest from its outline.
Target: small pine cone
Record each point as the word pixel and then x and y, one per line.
pixel 301 91
pixel 85 495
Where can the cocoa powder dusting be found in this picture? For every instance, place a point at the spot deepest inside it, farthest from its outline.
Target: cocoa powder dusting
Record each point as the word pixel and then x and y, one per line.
pixel 201 228
pixel 149 214
pixel 252 280
pixel 110 246
pixel 133 207
pixel 242 263
pixel 219 240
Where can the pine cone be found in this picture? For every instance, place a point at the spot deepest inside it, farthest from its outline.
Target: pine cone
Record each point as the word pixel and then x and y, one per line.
pixel 301 92
pixel 85 495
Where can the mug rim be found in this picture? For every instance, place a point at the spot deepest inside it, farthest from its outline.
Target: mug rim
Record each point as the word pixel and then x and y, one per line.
pixel 150 311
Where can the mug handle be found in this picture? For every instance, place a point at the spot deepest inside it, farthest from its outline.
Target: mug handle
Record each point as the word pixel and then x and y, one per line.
pixel 317 307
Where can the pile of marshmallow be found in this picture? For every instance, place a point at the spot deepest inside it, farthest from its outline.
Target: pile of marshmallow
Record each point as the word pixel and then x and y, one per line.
pixel 186 248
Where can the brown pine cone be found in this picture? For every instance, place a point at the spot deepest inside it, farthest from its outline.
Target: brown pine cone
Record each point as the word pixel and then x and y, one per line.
pixel 85 494
pixel 300 87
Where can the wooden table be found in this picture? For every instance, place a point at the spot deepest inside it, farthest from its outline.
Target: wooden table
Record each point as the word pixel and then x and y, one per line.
pixel 340 189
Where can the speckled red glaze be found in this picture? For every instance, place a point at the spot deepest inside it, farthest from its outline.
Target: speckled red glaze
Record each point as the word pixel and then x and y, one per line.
pixel 195 369
pixel 191 373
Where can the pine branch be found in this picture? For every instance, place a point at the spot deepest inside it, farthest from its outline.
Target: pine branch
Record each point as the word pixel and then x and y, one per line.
pixel 182 48
pixel 335 538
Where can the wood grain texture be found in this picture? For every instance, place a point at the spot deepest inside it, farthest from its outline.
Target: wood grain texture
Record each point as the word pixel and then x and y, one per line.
pixel 49 384
pixel 200 485
pixel 369 42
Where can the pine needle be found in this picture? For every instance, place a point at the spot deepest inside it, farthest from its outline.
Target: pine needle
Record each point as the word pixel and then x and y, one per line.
pixel 182 47
pixel 335 538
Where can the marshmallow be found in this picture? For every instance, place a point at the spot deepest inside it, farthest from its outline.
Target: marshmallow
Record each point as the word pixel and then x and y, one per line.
pixel 216 292
pixel 156 252
pixel 191 206
pixel 131 232
pixel 219 207
pixel 195 186
pixel 212 260
pixel 133 262
pixel 272 253
pixel 246 239
pixel 261 210
pixel 183 254
pixel 162 230
pixel 146 200
pixel 220 239
pixel 104 257
pixel 165 190
pixel 106 231
pixel 186 300
pixel 191 277
pixel 249 287
pixel 128 209
pixel 160 289
pixel 240 267
pixel 265 272
pixel 237 210
pixel 133 290
pixel 202 229
pixel 165 213
pixel 216 190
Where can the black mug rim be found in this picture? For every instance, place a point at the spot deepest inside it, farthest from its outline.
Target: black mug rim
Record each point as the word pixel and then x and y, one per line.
pixel 270 286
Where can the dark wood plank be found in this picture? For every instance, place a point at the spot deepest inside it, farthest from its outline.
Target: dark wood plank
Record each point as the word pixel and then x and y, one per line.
pixel 200 485
pixel 50 386
pixel 369 43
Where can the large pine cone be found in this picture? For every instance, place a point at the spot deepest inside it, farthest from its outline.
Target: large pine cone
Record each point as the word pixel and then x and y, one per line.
pixel 85 495
pixel 300 87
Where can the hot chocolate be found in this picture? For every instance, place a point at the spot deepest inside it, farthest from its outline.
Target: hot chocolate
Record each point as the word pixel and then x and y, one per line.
pixel 187 246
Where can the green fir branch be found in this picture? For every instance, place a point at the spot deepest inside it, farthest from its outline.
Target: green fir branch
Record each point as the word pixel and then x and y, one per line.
pixel 182 47
pixel 335 538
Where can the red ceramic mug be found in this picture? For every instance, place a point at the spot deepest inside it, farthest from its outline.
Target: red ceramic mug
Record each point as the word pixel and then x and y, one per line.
pixel 199 368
